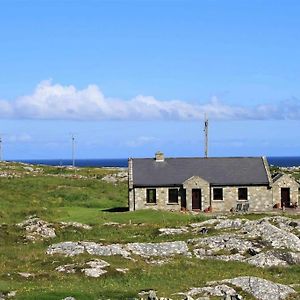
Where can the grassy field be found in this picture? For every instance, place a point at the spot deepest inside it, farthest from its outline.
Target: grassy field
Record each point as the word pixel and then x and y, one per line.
pixel 55 195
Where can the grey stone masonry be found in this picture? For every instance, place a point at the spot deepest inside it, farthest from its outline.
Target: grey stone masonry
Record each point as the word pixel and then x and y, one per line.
pixel 130 186
pixel 285 181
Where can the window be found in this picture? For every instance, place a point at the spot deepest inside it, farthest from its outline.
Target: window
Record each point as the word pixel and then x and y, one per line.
pixel 151 195
pixel 218 193
pixel 243 194
pixel 173 195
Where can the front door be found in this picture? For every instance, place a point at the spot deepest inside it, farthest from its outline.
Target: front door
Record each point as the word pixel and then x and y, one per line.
pixel 285 197
pixel 183 199
pixel 196 199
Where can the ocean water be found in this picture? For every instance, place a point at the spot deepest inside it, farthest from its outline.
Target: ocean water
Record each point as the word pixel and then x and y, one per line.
pixel 284 161
pixel 117 162
pixel 281 161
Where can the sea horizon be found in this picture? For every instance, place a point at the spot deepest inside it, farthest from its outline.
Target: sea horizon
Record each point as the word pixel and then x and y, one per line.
pixel 281 161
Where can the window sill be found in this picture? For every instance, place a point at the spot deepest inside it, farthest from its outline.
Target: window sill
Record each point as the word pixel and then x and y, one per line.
pixel 173 203
pixel 218 200
pixel 243 200
pixel 151 204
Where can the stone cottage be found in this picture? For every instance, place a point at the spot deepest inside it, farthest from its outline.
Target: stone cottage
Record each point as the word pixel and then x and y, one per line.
pixel 208 184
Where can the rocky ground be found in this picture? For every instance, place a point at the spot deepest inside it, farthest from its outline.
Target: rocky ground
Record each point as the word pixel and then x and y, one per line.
pixel 266 242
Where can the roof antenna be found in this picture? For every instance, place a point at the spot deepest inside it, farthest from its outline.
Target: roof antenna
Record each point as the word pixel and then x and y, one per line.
pixel 206 135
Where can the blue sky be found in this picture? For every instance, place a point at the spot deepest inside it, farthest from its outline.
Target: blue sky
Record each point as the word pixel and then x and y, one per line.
pixel 132 77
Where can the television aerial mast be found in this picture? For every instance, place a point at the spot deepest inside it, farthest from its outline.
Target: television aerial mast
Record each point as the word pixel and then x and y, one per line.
pixel 73 150
pixel 205 136
pixel 0 148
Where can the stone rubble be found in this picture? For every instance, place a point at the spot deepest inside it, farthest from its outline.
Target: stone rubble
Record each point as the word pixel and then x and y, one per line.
pixel 261 289
pixel 37 229
pixel 121 176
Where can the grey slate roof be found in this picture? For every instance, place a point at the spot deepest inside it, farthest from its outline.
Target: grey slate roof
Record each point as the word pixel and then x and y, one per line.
pixel 217 171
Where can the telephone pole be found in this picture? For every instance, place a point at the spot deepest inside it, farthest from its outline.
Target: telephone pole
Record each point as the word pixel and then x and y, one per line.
pixel 73 150
pixel 0 148
pixel 206 136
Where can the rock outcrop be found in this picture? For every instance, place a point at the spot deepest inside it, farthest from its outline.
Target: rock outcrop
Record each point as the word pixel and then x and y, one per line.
pixel 274 236
pixel 261 289
pixel 219 290
pixel 230 242
pixel 94 268
pixel 274 259
pixel 75 225
pixel 173 231
pixel 7 295
pixel 75 248
pixel 158 249
pixel 37 229
pixel 141 249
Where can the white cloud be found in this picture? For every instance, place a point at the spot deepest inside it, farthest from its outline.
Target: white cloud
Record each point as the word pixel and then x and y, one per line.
pixel 141 141
pixel 17 138
pixel 55 101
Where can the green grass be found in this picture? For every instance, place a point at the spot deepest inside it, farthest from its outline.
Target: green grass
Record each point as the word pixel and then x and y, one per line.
pixel 54 195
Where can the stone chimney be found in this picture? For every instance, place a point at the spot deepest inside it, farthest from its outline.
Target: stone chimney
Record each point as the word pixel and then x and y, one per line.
pixel 159 156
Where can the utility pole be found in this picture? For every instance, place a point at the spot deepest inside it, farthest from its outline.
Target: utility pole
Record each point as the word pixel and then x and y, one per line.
pixel 206 136
pixel 0 148
pixel 73 150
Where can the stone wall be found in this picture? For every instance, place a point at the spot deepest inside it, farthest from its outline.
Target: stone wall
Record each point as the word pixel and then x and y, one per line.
pixel 259 199
pixel 285 181
pixel 162 195
pixel 196 182
pixel 130 186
